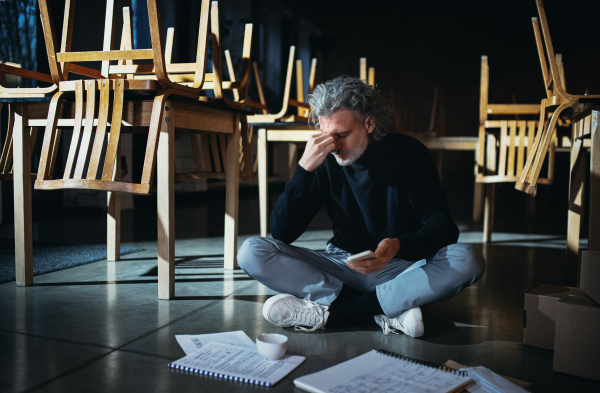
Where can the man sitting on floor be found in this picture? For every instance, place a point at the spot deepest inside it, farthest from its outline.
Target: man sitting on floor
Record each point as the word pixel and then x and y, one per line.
pixel 382 193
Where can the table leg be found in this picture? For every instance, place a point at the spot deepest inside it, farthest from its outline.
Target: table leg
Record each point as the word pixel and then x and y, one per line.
pixel 478 196
pixel 22 199
pixel 578 169
pixel 262 180
pixel 594 228
pixel 478 192
pixel 165 165
pixel 232 185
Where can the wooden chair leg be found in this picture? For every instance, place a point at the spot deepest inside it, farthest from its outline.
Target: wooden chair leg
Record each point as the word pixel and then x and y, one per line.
pixel 232 184
pixel 488 213
pixel 594 187
pixel 478 195
pixel 113 216
pixel 113 199
pixel 22 200
pixel 6 160
pixel 528 180
pixel 262 180
pixel 165 166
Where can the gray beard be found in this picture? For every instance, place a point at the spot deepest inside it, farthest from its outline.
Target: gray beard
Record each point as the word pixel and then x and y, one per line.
pixel 354 155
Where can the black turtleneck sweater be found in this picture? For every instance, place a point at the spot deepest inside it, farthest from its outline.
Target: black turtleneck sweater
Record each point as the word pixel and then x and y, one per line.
pixel 391 191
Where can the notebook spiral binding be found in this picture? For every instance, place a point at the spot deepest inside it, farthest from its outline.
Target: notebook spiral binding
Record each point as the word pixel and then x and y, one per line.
pixel 219 375
pixel 442 367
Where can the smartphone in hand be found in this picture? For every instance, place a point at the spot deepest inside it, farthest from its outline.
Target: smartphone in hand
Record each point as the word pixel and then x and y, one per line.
pixel 360 256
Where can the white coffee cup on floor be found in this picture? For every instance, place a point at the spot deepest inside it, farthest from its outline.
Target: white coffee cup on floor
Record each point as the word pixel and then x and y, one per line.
pixel 271 345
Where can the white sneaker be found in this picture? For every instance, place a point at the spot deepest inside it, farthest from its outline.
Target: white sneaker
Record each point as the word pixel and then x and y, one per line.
pixel 286 310
pixel 410 322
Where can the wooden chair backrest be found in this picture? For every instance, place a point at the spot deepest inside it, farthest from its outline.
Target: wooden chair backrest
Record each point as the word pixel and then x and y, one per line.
pixel 551 64
pixel 302 109
pixel 555 86
pixel 505 141
pixel 186 73
pixel 63 62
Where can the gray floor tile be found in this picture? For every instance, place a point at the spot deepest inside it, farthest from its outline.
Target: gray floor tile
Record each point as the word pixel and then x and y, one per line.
pixel 28 361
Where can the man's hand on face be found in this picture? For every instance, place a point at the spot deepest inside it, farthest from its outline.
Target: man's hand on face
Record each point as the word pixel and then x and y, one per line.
pixel 317 148
pixel 386 250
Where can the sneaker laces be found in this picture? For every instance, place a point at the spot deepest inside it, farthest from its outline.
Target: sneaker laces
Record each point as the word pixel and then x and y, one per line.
pixel 384 322
pixel 310 315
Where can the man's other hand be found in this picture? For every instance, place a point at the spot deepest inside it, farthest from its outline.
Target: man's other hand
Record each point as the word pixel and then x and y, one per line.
pixel 386 250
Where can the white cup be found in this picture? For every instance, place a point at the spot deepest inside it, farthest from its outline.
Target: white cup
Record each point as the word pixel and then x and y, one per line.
pixel 271 345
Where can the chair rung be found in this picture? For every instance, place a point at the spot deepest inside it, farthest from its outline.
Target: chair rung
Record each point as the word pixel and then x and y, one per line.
pixel 90 184
pixel 135 54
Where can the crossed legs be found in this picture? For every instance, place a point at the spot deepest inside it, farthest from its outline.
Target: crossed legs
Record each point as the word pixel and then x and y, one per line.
pixel 320 276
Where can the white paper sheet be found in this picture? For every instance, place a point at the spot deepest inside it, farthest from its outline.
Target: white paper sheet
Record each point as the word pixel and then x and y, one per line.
pixel 487 381
pixel 191 342
pixel 237 363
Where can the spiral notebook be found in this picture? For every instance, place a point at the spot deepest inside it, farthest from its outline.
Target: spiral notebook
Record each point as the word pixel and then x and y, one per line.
pixel 384 371
pixel 237 364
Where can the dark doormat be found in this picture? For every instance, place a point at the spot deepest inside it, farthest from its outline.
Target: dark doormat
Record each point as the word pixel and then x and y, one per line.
pixel 48 259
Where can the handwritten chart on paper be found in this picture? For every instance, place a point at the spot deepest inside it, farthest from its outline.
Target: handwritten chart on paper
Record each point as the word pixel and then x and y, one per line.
pixel 381 371
pixel 392 378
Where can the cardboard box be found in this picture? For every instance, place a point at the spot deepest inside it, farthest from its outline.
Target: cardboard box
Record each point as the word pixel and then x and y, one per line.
pixel 577 342
pixel 589 274
pixel 540 314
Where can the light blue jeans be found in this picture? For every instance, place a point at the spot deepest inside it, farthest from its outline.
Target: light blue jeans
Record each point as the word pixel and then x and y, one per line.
pixel 401 285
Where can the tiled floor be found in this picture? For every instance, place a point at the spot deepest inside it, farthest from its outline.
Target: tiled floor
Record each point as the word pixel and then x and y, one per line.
pixel 100 327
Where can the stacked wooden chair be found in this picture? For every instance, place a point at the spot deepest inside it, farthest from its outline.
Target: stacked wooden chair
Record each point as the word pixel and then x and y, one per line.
pixel 506 139
pixel 555 103
pixel 582 110
pixel 155 99
pixel 208 149
pixel 289 124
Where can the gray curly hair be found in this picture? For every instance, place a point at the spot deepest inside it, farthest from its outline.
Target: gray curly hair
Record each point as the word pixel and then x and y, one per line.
pixel 346 92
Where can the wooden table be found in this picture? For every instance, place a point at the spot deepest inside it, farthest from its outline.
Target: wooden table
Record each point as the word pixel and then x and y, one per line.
pixel 451 143
pixel 300 132
pixel 206 118
pixel 585 127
